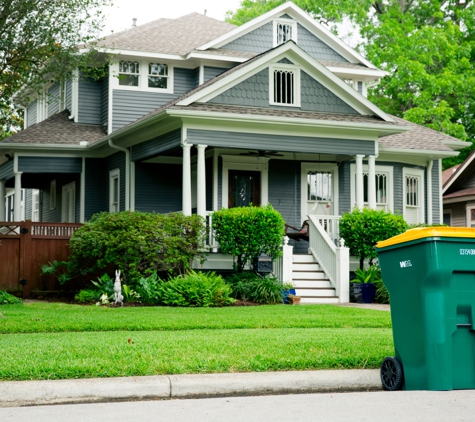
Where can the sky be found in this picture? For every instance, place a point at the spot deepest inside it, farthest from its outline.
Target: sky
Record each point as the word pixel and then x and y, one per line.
pixel 119 16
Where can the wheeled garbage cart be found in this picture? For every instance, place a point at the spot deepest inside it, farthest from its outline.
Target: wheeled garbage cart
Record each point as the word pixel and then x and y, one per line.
pixel 430 276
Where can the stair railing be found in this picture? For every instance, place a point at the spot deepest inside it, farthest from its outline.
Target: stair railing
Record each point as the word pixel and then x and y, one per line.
pixel 282 266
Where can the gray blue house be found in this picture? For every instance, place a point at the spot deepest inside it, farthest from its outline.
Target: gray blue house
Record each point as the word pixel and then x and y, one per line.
pixel 198 115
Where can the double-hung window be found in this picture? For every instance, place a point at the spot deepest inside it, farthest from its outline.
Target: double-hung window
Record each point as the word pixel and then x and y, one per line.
pixel 413 180
pixel 158 75
pixel 285 85
pixel 129 73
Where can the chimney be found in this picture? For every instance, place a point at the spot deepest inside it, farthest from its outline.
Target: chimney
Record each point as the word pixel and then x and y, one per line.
pixel 134 21
pixel 205 11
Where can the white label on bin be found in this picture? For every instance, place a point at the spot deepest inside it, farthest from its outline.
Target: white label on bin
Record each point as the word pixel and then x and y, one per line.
pixel 467 251
pixel 405 264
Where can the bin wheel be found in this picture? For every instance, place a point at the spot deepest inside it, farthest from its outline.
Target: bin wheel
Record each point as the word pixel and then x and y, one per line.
pixel 391 374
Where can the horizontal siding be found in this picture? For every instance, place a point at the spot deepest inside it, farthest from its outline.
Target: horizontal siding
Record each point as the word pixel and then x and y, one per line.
pixel 28 203
pixel 32 113
pixel 6 170
pixel 459 214
pixel 344 187
pixel 116 161
pixel 256 41
pixel 316 48
pixel 96 178
pixel 54 215
pixel 211 72
pixel 53 99
pixel 89 102
pixel 104 102
pixel 69 94
pixel 158 187
pixel 154 147
pixel 280 143
pixel 129 106
pixel 50 164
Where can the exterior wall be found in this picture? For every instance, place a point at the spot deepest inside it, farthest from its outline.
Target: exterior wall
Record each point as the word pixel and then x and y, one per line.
pixel 436 193
pixel 69 94
pixel 96 199
pixel 459 214
pixel 254 92
pixel 158 187
pixel 104 101
pixel 344 188
pixel 154 147
pixel 256 41
pixel 279 143
pixel 6 170
pixel 115 161
pixel 50 164
pixel 209 184
pixel 54 215
pixel 32 113
pixel 89 102
pixel 53 99
pixel 28 203
pixel 316 48
pixel 211 72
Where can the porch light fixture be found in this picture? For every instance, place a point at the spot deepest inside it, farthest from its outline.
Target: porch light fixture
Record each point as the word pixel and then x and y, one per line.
pixel 263 263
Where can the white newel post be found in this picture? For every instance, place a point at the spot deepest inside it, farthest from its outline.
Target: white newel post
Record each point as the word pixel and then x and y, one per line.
pixel 343 272
pixel 2 200
pixel 186 186
pixel 359 182
pixel 201 182
pixel 287 261
pixel 372 182
pixel 17 203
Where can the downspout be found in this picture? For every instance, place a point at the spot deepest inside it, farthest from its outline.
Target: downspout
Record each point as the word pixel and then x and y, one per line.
pixel 127 172
pixel 429 191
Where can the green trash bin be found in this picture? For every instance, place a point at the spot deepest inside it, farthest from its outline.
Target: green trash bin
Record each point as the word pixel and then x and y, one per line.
pixel 430 276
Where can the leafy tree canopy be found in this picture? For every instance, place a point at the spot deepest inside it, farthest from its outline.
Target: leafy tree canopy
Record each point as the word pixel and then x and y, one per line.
pixel 426 46
pixel 40 40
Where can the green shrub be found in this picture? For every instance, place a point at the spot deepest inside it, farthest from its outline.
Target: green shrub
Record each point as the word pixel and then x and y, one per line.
pixel 8 299
pixel 149 289
pixel 382 294
pixel 196 290
pixel 370 275
pixel 137 243
pixel 253 287
pixel 104 286
pixel 362 229
pixel 245 232
pixel 87 296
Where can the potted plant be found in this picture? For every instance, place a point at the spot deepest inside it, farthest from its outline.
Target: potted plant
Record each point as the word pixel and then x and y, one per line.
pixel 293 300
pixel 368 279
pixel 287 289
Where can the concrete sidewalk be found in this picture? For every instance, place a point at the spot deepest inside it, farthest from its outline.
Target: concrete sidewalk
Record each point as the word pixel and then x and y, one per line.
pixel 28 393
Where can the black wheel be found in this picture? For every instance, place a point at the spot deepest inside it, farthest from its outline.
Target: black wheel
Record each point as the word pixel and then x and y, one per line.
pixel 391 374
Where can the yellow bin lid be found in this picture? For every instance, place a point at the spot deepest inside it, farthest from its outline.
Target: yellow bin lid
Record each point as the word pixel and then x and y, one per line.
pixel 422 232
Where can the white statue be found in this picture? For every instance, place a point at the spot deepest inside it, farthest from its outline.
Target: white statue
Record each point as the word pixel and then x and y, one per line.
pixel 118 298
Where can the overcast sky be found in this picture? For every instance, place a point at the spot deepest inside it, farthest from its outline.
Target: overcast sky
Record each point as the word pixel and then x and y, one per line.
pixel 119 17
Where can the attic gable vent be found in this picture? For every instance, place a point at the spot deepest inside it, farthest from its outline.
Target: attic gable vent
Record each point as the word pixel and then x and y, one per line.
pixel 284 30
pixel 284 85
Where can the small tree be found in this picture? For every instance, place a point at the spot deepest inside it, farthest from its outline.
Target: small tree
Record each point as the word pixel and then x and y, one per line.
pixel 245 232
pixel 362 229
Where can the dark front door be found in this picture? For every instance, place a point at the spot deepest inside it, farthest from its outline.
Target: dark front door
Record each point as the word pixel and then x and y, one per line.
pixel 244 188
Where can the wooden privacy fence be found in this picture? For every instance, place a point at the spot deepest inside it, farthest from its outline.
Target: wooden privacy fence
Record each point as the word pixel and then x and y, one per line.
pixel 26 246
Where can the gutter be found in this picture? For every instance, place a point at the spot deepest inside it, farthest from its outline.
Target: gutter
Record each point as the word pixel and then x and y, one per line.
pixel 430 164
pixel 127 172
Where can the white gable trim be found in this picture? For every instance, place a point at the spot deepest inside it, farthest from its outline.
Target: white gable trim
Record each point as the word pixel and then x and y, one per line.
pixel 304 19
pixel 307 63
pixel 461 169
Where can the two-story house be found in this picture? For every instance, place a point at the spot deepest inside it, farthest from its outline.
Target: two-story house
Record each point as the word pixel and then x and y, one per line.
pixel 196 115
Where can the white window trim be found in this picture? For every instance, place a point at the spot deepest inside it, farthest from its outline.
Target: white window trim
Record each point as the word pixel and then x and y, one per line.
pixel 284 21
pixel 468 208
pixel 285 66
pixel 143 76
pixel 378 169
pixel 52 195
pixel 406 171
pixel 35 193
pixel 114 174
pixel 234 162
pixel 305 168
pixel 64 207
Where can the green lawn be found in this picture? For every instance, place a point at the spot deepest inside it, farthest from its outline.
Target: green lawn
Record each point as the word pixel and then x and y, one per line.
pixel 57 341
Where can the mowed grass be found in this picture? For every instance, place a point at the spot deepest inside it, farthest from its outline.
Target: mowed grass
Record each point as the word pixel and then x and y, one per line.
pixel 58 341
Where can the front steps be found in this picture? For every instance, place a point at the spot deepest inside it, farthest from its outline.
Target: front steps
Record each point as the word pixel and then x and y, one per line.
pixel 310 282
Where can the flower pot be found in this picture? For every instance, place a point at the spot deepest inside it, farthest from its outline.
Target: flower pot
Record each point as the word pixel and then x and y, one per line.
pixel 286 293
pixel 368 291
pixel 294 300
pixel 356 287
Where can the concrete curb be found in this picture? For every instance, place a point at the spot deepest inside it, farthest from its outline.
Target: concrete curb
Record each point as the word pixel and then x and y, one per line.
pixel 28 393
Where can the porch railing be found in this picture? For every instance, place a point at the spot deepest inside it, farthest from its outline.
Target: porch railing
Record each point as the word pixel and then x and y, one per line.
pixel 333 259
pixel 282 266
pixel 211 243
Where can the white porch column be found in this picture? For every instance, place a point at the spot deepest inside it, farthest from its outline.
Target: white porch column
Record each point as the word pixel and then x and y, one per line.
pixel 17 203
pixel 372 182
pixel 201 181
pixel 186 186
pixel 2 200
pixel 359 182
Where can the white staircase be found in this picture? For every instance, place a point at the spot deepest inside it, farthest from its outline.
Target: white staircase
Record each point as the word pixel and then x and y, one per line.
pixel 310 281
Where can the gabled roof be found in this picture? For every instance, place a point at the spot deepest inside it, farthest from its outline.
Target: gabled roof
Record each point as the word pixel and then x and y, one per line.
pixel 467 166
pixel 304 19
pixel 57 129
pixel 168 36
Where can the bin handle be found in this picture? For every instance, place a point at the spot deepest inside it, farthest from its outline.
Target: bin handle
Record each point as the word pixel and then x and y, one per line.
pixel 464 325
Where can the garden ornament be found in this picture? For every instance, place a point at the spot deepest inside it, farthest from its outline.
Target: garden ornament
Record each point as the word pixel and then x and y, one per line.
pixel 118 298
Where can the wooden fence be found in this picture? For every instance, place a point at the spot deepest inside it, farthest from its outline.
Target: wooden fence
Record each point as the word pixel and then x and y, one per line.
pixel 26 246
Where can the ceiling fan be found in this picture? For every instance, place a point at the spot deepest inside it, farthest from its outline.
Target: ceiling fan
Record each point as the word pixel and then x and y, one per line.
pixel 261 153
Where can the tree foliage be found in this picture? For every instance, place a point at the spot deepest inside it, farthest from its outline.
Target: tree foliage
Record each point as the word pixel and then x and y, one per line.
pixel 426 46
pixel 40 41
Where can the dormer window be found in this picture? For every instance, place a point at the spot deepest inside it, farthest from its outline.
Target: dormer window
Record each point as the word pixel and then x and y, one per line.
pixel 284 30
pixel 158 75
pixel 129 72
pixel 284 85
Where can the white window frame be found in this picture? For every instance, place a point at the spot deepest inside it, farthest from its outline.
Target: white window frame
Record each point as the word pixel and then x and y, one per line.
pixel 114 175
pixel 283 21
pixel 52 195
pixel 411 172
pixel 296 88
pixel 137 74
pixel 468 214
pixel 143 76
pixel 388 170
pixel 35 205
pixel 68 208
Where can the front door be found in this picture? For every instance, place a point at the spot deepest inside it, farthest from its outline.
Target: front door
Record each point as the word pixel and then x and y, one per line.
pixel 244 188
